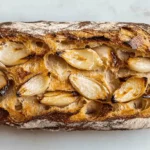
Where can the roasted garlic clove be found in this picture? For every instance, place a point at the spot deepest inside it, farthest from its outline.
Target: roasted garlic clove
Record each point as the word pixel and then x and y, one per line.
pixel 87 87
pixel 139 64
pixel 36 85
pixel 13 53
pixel 104 53
pixel 59 98
pixel 85 59
pixel 132 89
pixel 57 66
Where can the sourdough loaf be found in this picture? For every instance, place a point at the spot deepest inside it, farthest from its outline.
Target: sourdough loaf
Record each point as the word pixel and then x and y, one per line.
pixel 75 75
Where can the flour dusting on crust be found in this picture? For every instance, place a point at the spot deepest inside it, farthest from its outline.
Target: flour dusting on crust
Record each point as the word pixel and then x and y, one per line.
pixel 42 28
pixel 119 124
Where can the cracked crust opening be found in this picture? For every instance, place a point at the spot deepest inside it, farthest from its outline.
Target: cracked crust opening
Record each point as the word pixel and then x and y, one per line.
pixel 75 75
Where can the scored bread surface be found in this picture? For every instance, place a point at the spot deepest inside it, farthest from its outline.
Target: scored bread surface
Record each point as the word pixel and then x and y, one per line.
pixel 75 75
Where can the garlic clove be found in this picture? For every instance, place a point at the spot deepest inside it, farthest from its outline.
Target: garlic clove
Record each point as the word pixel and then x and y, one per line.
pixel 13 53
pixel 132 89
pixel 139 64
pixel 104 53
pixel 86 59
pixel 87 87
pixel 59 98
pixel 36 85
pixel 57 66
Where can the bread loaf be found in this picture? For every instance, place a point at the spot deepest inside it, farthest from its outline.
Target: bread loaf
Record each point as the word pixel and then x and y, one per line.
pixel 75 75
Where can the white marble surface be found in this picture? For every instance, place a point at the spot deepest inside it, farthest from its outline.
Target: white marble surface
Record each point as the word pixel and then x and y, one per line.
pixel 71 10
pixel 64 10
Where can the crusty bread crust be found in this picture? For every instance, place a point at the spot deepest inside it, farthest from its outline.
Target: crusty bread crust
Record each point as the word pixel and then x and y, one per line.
pixel 105 33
